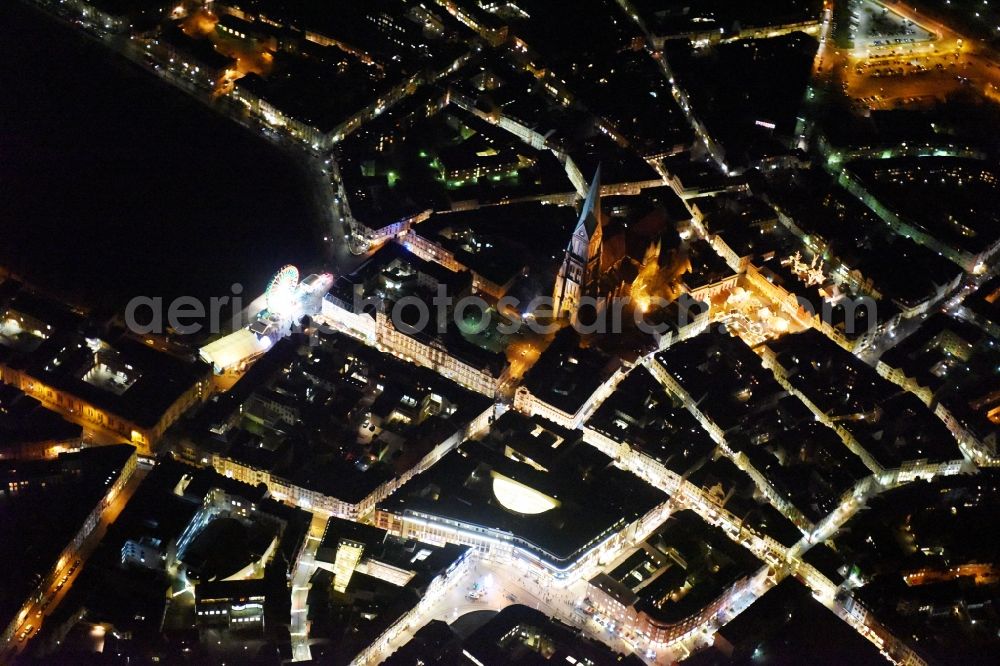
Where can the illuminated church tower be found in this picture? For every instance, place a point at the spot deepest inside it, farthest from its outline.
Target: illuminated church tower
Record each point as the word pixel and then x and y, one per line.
pixel 581 268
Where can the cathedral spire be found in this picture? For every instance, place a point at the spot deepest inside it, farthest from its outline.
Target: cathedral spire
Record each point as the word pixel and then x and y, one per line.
pixel 591 211
pixel 580 272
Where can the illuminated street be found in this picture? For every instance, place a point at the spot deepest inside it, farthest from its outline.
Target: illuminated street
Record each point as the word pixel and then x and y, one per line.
pixel 67 572
pixel 299 628
pixel 417 440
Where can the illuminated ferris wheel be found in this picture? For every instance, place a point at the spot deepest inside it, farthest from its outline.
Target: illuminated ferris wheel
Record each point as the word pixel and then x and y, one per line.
pixel 280 293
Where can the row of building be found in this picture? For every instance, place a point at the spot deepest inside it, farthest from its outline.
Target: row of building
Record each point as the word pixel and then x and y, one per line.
pixel 103 378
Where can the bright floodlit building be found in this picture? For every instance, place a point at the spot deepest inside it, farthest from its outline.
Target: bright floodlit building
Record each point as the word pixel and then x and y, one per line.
pixel 286 301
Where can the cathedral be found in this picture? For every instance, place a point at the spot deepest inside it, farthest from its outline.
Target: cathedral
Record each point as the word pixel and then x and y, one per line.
pixel 580 272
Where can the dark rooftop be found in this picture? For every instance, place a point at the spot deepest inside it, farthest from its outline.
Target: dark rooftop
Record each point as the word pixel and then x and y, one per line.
pixel 782 626
pixel 642 414
pixel 566 375
pixel 591 497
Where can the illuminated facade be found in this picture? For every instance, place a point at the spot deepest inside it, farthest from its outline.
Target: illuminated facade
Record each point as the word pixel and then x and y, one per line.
pixel 505 548
pixel 513 505
pixel 231 605
pixel 91 12
pixel 908 470
pixel 442 583
pixel 312 500
pixel 434 356
pixel 972 262
pixel 377 330
pixel 254 99
pixel 616 607
pixel 75 407
pixel 428 250
pixel 346 560
pixel 119 385
pixel 528 403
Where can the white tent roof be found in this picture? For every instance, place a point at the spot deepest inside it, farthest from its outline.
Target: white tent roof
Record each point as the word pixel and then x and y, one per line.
pixel 233 349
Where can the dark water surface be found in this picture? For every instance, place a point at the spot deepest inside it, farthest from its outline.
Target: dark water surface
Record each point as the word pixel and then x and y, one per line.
pixel 113 184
